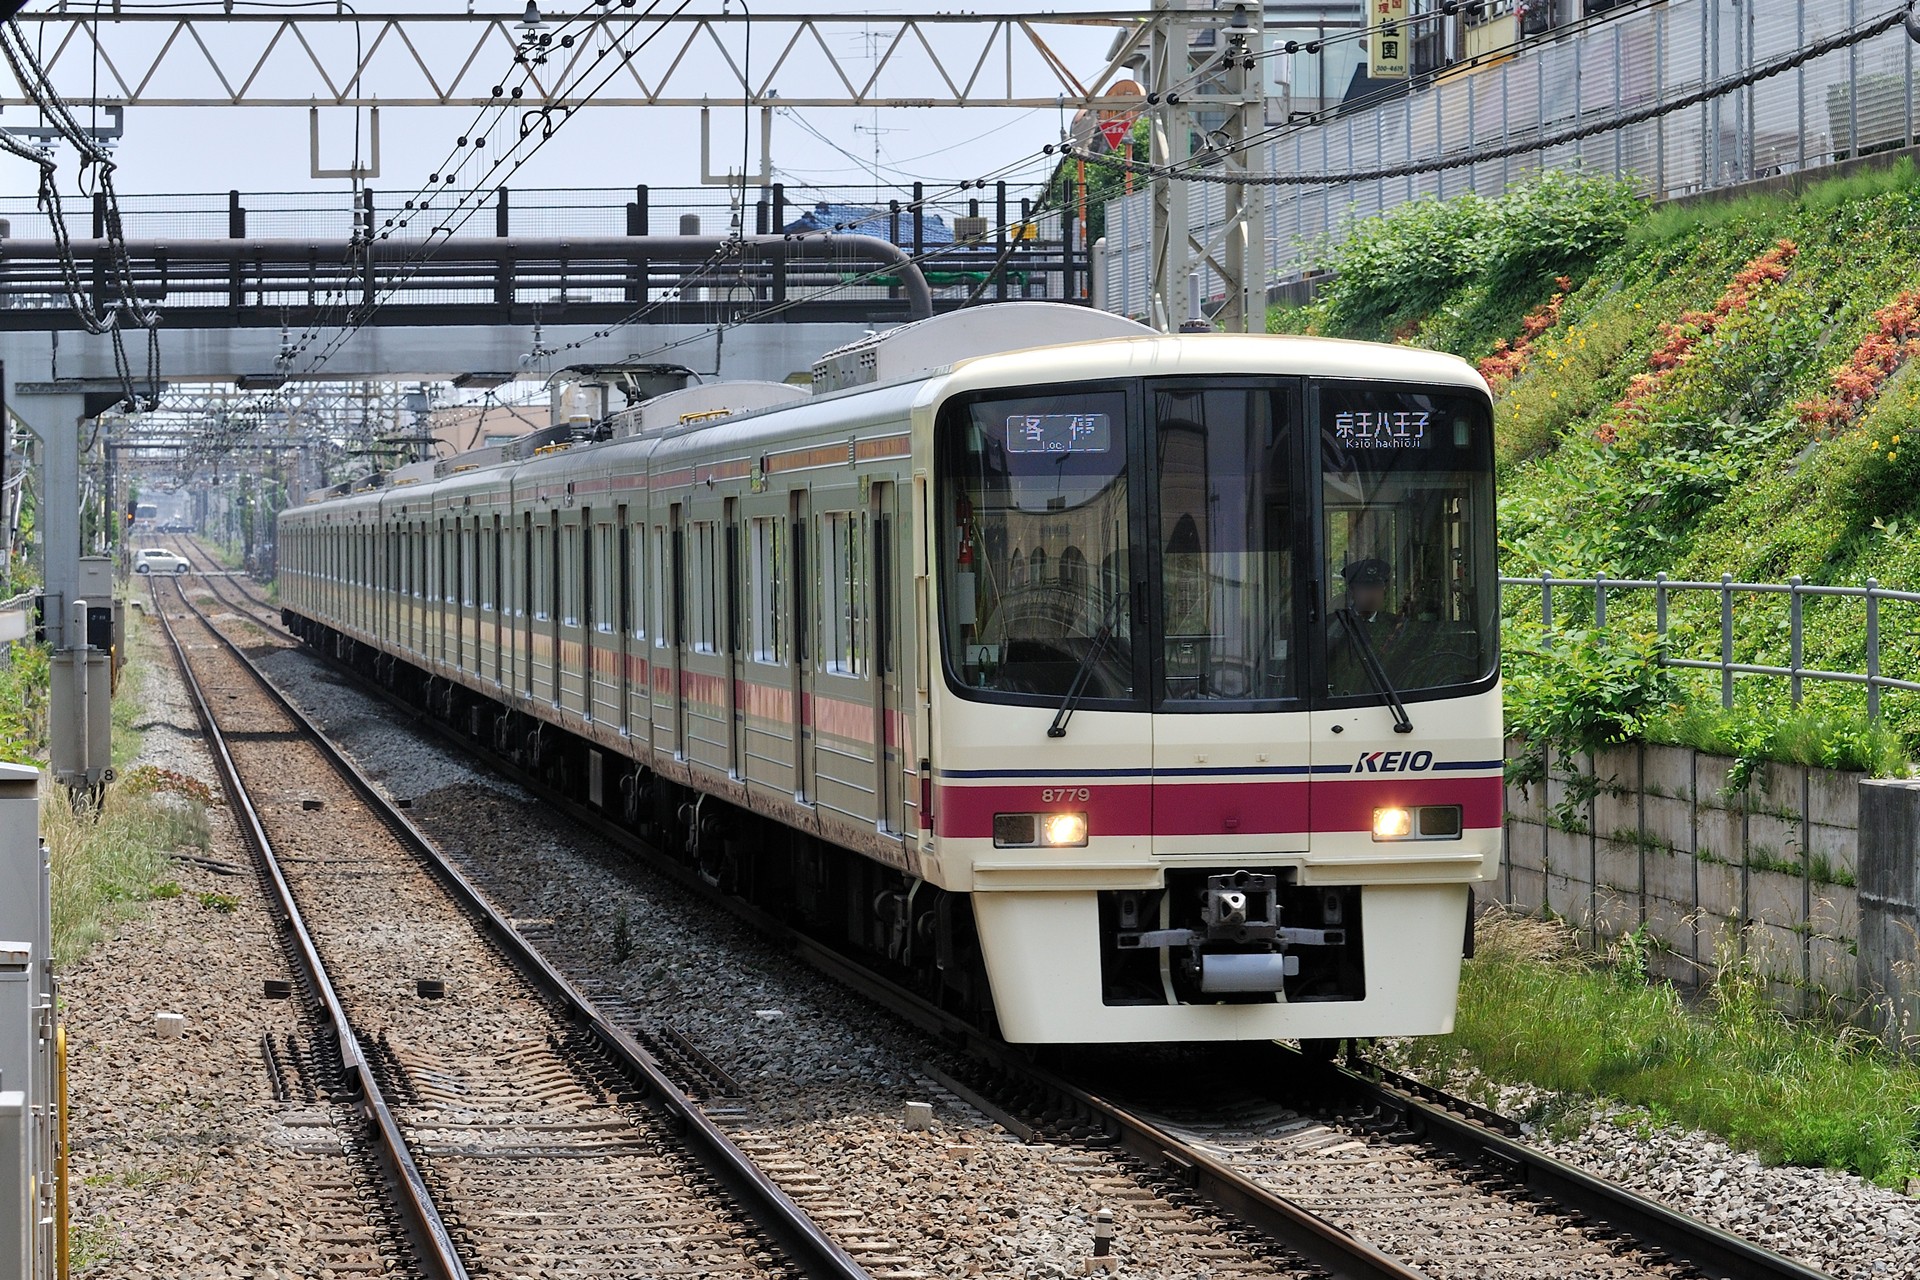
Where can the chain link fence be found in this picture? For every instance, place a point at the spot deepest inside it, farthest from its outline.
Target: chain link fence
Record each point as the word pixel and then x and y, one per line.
pixel 1852 102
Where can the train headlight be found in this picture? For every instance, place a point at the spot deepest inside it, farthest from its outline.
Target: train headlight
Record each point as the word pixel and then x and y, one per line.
pixel 1039 830
pixel 1063 829
pixel 1392 824
pixel 1427 822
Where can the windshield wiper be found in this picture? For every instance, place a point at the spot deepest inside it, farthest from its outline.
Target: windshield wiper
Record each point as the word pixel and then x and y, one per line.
pixel 1370 660
pixel 1101 639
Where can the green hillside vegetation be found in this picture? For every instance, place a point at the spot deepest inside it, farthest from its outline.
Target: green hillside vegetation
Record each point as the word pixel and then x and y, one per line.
pixel 1696 390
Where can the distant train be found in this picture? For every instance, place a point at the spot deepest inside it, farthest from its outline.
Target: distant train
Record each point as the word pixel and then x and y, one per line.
pixel 1118 685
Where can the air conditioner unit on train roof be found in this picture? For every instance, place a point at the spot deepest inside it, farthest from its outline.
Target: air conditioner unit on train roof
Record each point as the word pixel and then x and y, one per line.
pixel 895 355
pixel 705 402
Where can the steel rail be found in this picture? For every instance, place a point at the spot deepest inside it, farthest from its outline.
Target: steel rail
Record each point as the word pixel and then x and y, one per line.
pixel 1341 1255
pixel 789 1225
pixel 1456 1127
pixel 427 1231
pixel 1468 1133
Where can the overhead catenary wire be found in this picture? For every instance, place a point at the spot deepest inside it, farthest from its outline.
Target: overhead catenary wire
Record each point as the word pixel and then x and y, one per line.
pixel 359 314
pixel 506 94
pixel 32 77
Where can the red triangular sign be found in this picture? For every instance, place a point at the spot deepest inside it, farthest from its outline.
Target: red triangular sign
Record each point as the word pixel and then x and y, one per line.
pixel 1115 132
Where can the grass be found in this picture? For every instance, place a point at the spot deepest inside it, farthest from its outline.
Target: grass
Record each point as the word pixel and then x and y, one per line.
pixel 1823 738
pixel 128 707
pixel 1535 1010
pixel 106 865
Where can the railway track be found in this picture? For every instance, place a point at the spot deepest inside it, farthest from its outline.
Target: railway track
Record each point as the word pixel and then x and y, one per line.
pixel 1319 1161
pixel 520 1134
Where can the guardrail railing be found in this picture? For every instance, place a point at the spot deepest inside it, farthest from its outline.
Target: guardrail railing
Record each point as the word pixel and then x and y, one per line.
pixel 1798 593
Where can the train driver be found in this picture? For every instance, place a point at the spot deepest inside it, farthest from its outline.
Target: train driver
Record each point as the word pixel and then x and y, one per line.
pixel 1365 614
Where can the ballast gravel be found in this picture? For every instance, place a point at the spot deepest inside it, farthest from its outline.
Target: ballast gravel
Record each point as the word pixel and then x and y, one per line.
pixel 825 1077
pixel 821 1096
pixel 711 985
pixel 1833 1221
pixel 183 1163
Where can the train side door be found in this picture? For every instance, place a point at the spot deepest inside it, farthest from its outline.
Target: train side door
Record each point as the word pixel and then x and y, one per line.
pixel 889 736
pixel 550 566
pixel 524 610
pixel 459 598
pixel 800 598
pixel 583 571
pixel 622 596
pixel 733 595
pixel 499 599
pixel 677 589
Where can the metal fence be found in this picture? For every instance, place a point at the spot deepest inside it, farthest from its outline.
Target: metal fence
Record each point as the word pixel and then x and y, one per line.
pixel 1852 102
pixel 885 211
pixel 1762 634
pixel 964 245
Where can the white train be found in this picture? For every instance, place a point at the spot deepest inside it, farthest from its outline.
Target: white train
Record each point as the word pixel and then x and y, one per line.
pixel 1121 686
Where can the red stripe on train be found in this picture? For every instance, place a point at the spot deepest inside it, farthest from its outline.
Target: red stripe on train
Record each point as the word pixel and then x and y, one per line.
pixel 1219 808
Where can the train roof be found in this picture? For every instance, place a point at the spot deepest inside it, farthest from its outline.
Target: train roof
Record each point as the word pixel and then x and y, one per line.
pixel 1217 354
pixel 1121 351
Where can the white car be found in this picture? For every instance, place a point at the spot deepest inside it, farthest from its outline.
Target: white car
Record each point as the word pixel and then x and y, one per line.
pixel 157 560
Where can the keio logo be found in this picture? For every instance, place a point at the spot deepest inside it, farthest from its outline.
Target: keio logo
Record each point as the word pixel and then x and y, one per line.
pixel 1394 762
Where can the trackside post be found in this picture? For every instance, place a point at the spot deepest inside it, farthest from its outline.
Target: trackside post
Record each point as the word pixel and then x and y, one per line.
pixel 29 1108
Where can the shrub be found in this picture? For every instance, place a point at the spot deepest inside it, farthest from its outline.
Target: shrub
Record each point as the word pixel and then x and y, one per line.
pixel 1558 224
pixel 1582 690
pixel 1395 268
pixel 24 681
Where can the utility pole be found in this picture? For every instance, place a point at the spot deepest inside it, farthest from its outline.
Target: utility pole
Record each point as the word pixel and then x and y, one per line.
pixel 1205 84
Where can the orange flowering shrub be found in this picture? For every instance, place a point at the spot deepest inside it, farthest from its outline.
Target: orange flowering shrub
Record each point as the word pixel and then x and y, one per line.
pixel 1681 336
pixel 1509 362
pixel 1895 338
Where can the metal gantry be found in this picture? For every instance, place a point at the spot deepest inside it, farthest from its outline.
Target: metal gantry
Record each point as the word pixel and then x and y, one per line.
pixel 420 57
pixel 1208 104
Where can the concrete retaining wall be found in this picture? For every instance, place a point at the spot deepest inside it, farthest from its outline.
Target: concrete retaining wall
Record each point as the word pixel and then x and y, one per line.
pixel 1890 906
pixel 1766 874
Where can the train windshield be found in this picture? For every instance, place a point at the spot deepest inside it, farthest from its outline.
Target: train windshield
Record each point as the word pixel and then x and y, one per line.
pixel 1037 502
pixel 1407 506
pixel 1203 582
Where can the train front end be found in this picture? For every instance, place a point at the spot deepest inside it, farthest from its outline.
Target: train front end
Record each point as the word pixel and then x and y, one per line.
pixel 1215 726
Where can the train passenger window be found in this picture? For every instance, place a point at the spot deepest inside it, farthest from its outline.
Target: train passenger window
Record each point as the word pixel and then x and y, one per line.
pixel 488 544
pixel 843 621
pixel 662 562
pixel 767 570
pixel 702 594
pixel 469 571
pixel 1024 477
pixel 1225 535
pixel 1407 491
pixel 542 601
pixel 605 582
pixel 633 555
pixel 570 574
